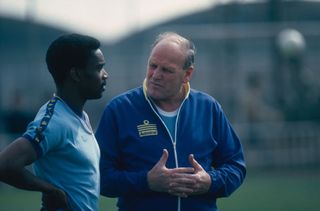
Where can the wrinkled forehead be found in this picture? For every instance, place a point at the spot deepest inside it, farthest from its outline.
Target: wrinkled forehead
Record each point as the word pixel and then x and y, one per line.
pixel 168 48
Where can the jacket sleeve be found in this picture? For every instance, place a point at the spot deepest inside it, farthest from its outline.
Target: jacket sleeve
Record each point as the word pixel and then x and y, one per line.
pixel 115 181
pixel 229 169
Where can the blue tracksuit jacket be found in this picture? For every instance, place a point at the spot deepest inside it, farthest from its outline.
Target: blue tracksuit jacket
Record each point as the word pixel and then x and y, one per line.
pixel 132 137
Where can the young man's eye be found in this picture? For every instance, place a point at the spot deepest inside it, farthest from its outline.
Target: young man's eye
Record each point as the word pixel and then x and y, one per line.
pixel 100 68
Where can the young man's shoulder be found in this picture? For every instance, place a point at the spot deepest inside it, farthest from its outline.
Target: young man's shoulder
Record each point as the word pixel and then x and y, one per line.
pixel 55 114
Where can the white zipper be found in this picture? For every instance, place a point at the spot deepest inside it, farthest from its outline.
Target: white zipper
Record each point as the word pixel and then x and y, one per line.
pixel 173 141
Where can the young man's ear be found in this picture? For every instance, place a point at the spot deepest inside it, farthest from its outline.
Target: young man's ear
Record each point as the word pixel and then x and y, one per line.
pixel 74 74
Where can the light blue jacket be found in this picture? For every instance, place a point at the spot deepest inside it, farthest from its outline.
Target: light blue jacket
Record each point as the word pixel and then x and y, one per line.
pixel 132 137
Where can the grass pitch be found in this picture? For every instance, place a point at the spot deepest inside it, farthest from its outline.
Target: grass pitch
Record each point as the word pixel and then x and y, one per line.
pixel 265 190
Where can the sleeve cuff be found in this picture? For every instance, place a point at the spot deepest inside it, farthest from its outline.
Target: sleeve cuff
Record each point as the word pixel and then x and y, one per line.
pixel 35 145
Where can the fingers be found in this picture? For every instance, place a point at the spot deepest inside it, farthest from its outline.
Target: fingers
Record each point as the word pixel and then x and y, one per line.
pixel 182 186
pixel 163 159
pixel 180 191
pixel 182 170
pixel 158 176
pixel 194 163
pixel 183 181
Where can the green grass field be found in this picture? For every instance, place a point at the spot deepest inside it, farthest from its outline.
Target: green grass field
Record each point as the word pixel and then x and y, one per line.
pixel 262 191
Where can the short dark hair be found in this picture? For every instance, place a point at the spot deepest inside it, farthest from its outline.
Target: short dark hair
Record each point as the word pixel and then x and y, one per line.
pixel 68 51
pixel 186 44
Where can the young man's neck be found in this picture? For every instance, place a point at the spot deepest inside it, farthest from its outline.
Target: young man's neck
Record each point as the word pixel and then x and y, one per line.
pixel 71 98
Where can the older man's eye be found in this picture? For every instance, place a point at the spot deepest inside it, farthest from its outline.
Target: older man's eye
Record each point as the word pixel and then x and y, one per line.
pixel 153 66
pixel 167 70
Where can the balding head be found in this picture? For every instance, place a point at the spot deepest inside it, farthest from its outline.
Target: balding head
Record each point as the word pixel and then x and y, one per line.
pixel 187 47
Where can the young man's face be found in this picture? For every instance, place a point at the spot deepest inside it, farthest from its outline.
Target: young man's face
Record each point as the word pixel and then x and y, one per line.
pixel 93 76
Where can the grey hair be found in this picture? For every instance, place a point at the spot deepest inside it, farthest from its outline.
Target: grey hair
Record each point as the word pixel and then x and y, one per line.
pixel 186 44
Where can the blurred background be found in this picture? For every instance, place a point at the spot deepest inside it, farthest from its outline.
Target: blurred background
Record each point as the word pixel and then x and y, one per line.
pixel 259 59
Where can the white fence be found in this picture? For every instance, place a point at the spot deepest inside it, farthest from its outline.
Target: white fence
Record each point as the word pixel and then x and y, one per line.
pixel 281 144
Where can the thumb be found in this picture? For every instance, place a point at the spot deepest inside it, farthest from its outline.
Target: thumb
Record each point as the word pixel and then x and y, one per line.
pixel 194 163
pixel 164 158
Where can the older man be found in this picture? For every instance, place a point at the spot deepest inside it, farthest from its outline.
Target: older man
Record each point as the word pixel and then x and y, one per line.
pixel 165 146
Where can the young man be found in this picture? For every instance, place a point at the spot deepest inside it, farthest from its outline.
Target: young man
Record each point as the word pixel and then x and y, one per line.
pixel 60 141
pixel 165 146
